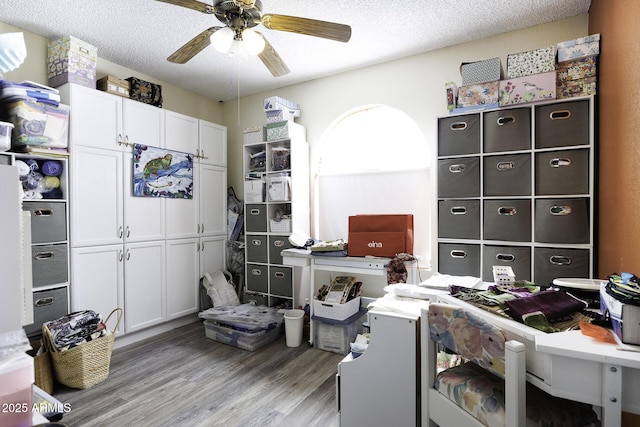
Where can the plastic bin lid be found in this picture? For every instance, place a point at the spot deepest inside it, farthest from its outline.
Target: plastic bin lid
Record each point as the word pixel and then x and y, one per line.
pixel 579 283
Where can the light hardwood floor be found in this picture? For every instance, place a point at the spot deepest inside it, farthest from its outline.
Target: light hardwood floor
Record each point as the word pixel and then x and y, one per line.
pixel 180 378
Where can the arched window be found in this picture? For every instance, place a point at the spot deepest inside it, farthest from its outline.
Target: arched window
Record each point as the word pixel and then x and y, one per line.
pixel 372 160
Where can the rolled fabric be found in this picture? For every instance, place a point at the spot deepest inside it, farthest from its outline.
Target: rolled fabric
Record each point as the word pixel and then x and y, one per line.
pixel 51 168
pixel 51 182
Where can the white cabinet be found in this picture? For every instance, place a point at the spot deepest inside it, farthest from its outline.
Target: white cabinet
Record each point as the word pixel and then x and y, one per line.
pixel 212 254
pixel 213 144
pixel 212 197
pixel 182 277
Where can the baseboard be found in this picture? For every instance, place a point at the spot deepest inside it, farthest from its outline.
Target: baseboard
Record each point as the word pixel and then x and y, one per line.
pixel 134 337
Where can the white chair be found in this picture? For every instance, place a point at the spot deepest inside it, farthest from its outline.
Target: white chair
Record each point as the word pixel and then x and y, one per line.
pixel 490 389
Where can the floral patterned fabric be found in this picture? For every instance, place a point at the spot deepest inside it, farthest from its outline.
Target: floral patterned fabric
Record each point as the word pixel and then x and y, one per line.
pixel 477 386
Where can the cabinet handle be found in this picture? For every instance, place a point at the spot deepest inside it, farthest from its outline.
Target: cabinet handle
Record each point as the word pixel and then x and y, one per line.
pixel 507 210
pixel 501 121
pixel 43 302
pixel 279 275
pixel 202 227
pixel 128 256
pixel 458 210
pixel 560 210
pixel 120 256
pixel 559 260
pixel 120 232
pixel 128 231
pixel 505 257
pixel 559 162
pixel 119 141
pixel 560 115
pixel 256 272
pixel 43 212
pixel 458 253
pixel 41 256
pixel 457 168
pixel 256 242
pixel 505 166
pixel 278 243
pixel 201 247
pixel 254 211
pixel 458 126
pixel 126 141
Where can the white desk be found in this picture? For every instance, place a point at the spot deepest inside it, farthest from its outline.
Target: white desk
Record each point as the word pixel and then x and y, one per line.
pixel 346 265
pixel 578 361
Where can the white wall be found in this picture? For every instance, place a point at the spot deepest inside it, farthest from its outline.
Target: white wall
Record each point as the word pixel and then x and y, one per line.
pixel 414 85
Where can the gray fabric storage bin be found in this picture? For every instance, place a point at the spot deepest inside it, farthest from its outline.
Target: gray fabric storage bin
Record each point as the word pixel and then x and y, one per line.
pixel 281 280
pixel 48 221
pixel 562 221
pixel 562 124
pixel 551 263
pixel 49 304
pixel 257 248
pixel 508 220
pixel 459 135
pixel 277 244
pixel 49 264
pixel 507 129
pixel 507 175
pixel 516 257
pixel 256 217
pixel 257 278
pixel 459 259
pixel 459 177
pixel 459 219
pixel 562 172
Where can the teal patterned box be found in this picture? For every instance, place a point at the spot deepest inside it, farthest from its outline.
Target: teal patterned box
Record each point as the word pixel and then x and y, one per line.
pixel 71 60
pixel 579 48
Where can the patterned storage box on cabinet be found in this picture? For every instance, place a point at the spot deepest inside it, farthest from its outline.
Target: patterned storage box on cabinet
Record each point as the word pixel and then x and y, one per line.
pixel 508 220
pixel 562 172
pixel 459 177
pixel 459 259
pixel 507 175
pixel 562 124
pixel 459 219
pixel 516 257
pixel 459 135
pixel 550 263
pixel 562 220
pixel 507 130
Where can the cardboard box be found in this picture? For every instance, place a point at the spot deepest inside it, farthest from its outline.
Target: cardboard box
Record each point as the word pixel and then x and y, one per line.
pixel 488 70
pixel 579 48
pixel 143 91
pixel 577 69
pixel 522 90
pixel 625 318
pixel 71 60
pixel 114 85
pixel 531 62
pixel 478 94
pixel 380 235
pixel 574 88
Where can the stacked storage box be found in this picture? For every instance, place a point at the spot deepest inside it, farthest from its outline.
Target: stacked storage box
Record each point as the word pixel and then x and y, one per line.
pixel 71 60
pixel 577 63
pixel 531 77
pixel 479 84
pixel 337 335
pixel 246 326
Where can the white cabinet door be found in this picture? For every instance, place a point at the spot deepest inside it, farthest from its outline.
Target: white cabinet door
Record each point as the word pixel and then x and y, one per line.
pixel 144 217
pixel 213 144
pixel 181 132
pixel 98 280
pixel 142 124
pixel 96 194
pixel 96 117
pixel 182 277
pixel 212 254
pixel 145 287
pixel 213 200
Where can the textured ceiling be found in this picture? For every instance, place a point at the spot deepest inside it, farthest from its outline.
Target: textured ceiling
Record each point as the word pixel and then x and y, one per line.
pixel 140 34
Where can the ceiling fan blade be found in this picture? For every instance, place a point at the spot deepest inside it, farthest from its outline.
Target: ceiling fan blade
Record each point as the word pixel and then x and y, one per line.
pixel 272 60
pixel 192 47
pixel 310 27
pixel 192 4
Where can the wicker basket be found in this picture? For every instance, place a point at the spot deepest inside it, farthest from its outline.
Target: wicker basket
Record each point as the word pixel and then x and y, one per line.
pixel 85 365
pixel 42 367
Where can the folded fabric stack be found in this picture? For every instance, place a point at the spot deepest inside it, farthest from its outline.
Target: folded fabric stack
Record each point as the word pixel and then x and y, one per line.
pixel 76 328
pixel 625 288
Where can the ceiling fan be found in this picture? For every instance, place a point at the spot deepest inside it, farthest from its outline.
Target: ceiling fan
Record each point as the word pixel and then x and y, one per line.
pixel 239 17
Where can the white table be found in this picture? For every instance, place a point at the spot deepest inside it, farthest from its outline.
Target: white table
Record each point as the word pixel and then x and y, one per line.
pixel 578 362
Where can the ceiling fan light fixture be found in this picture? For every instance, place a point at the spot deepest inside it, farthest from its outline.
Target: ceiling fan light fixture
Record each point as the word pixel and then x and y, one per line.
pixel 222 39
pixel 253 42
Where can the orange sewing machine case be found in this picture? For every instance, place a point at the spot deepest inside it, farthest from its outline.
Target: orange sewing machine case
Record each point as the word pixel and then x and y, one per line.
pixel 380 235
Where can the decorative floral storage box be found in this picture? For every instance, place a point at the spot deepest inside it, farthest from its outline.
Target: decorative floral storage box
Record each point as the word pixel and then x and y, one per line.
pixel 577 69
pixel 579 48
pixel 531 62
pixel 70 60
pixel 478 94
pixel 573 88
pixel 522 90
